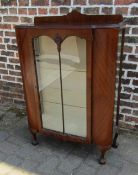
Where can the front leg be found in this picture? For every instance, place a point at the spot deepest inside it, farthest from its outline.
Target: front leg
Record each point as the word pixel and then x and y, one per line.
pixel 34 138
pixel 103 150
pixel 102 158
pixel 114 143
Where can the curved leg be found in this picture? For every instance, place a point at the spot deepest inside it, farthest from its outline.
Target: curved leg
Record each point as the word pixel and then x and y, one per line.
pixel 103 150
pixel 102 157
pixel 34 139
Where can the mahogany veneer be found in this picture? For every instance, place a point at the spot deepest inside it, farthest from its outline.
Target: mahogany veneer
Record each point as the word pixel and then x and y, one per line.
pixel 101 35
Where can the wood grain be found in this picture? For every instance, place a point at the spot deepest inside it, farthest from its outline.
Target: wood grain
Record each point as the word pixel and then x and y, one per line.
pixel 101 34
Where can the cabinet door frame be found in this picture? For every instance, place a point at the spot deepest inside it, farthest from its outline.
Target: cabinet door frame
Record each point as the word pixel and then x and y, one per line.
pixel 28 66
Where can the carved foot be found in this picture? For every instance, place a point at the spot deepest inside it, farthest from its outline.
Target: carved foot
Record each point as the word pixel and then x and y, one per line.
pixel 115 144
pixel 102 158
pixel 34 139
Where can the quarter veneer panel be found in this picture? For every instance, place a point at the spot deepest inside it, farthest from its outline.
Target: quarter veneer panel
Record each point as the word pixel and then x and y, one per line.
pixel 26 55
pixel 103 88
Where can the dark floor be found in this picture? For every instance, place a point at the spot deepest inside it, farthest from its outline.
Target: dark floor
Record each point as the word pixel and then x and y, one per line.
pixel 54 157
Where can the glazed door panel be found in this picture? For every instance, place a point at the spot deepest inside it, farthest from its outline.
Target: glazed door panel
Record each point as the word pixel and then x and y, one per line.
pixel 73 63
pixel 62 84
pixel 47 66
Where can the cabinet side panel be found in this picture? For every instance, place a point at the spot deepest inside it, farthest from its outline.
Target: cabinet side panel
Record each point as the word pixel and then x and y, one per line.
pixel 26 56
pixel 103 88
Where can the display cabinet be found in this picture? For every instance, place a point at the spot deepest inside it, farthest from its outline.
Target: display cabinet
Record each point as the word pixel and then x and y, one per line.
pixel 68 67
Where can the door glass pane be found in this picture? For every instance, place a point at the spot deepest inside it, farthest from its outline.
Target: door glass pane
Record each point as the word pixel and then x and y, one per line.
pixel 73 64
pixel 47 65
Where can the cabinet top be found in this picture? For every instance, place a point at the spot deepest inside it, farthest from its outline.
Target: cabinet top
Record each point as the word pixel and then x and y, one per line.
pixel 77 20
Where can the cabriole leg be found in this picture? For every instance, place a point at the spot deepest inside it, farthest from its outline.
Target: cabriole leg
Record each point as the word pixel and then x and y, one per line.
pixel 103 150
pixel 102 157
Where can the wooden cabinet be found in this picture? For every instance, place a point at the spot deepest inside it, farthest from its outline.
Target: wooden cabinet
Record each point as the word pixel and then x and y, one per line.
pixel 68 66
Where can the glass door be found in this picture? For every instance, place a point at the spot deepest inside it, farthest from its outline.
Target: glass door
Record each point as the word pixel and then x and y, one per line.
pixel 62 84
pixel 48 73
pixel 73 67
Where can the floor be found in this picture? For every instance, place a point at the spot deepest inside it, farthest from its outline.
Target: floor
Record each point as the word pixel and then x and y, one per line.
pixel 54 157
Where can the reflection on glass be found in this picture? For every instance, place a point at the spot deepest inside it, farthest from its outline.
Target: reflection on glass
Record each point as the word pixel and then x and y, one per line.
pixel 73 79
pixel 73 63
pixel 47 63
